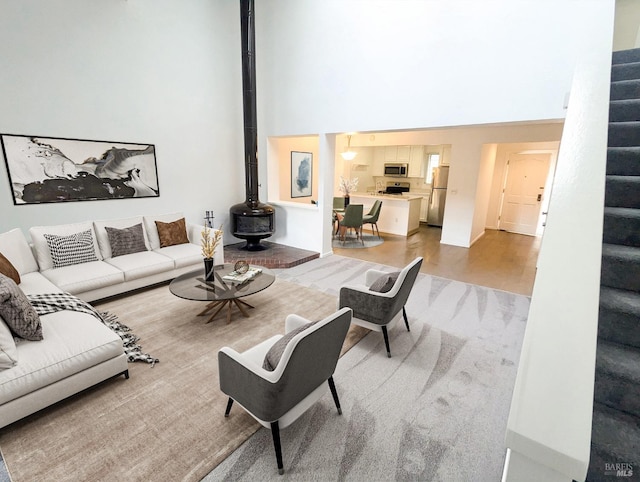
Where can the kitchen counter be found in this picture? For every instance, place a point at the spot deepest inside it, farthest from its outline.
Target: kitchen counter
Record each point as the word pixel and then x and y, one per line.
pixel 400 214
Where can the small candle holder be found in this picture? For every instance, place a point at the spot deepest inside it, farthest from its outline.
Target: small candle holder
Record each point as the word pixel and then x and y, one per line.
pixel 208 219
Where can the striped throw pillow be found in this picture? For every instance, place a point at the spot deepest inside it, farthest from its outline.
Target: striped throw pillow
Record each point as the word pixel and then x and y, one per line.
pixel 72 249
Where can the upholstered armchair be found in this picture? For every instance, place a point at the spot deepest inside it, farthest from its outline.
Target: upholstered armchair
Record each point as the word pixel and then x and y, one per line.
pixel 279 379
pixel 372 216
pixel 379 302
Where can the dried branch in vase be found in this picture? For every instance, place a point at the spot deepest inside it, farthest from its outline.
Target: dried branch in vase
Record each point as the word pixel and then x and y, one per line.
pixel 208 242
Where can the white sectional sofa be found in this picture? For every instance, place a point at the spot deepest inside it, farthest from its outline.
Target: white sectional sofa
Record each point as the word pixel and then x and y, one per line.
pixel 77 350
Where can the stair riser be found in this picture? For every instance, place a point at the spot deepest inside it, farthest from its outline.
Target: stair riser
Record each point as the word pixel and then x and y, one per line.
pixel 622 162
pixel 625 72
pixel 622 193
pixel 625 90
pixel 617 393
pixel 624 134
pixel 619 327
pixel 621 230
pixel 620 274
pixel 625 56
pixel 624 111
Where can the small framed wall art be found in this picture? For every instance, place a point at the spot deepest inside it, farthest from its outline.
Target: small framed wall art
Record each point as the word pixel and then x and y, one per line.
pixel 50 169
pixel 301 167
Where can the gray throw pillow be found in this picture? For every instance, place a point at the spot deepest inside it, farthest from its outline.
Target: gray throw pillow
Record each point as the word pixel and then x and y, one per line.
pixel 385 282
pixel 72 249
pixel 17 312
pixel 126 241
pixel 272 358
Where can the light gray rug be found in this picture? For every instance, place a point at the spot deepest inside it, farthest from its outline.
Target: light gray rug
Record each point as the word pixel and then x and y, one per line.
pixel 350 241
pixel 436 410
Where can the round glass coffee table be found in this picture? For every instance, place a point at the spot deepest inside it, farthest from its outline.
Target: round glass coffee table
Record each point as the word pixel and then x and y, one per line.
pixel 220 292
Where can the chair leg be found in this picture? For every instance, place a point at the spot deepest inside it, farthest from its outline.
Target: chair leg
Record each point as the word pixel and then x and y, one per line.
pixel 229 403
pixel 386 340
pixel 275 432
pixel 406 320
pixel 378 230
pixel 361 238
pixel 332 386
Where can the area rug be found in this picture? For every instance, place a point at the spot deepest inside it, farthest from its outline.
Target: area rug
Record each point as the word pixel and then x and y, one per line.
pixel 350 241
pixel 436 411
pixel 166 422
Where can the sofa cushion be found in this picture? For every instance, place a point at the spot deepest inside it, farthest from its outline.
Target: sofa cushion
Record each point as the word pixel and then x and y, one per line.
pixel 41 247
pixel 17 312
pixel 73 342
pixel 7 269
pixel 74 248
pixel 15 247
pixel 8 350
pixel 183 254
pixel 173 233
pixel 36 283
pixel 139 265
pixel 79 278
pixel 152 230
pixel 103 238
pixel 127 240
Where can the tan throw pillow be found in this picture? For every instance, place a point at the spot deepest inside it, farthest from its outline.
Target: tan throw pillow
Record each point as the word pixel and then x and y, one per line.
pixel 172 233
pixel 7 269
pixel 272 358
pixel 17 312
pixel 384 283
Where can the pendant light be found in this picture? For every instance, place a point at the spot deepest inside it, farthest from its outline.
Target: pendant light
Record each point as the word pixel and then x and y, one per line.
pixel 348 155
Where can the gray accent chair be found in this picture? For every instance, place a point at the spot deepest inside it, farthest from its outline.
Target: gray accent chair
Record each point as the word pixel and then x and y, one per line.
pixel 305 370
pixel 372 216
pixel 378 311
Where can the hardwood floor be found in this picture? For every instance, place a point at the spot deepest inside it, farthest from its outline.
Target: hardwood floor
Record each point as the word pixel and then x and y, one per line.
pixel 500 260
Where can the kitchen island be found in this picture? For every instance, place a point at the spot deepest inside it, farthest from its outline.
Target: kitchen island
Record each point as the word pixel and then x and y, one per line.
pixel 400 214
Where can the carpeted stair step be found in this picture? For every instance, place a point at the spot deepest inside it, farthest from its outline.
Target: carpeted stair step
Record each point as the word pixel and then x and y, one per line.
pixel 618 377
pixel 625 56
pixel 624 134
pixel 620 267
pixel 621 226
pixel 622 192
pixel 625 89
pixel 619 316
pixel 624 110
pixel 623 161
pixel 627 71
pixel 615 438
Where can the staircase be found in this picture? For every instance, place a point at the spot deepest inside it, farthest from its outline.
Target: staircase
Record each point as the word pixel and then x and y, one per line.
pixel 615 437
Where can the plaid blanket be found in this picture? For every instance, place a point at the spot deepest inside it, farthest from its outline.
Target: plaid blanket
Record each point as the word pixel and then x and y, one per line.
pixel 53 302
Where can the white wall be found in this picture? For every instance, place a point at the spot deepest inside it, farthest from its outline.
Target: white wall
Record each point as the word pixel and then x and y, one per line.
pixel 144 71
pixel 483 190
pixel 337 66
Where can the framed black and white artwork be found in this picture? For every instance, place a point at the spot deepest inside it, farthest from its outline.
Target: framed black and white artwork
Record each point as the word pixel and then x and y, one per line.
pixel 50 169
pixel 301 167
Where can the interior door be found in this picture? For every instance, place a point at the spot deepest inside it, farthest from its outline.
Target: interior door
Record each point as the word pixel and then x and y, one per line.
pixel 523 192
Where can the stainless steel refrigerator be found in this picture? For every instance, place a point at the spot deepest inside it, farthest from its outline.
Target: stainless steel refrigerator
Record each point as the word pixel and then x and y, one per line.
pixel 435 213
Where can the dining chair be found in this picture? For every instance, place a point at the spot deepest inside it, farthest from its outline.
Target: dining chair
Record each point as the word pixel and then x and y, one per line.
pixel 372 216
pixel 352 219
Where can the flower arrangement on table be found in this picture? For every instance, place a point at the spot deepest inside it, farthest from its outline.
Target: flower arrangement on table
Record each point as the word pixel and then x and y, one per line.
pixel 348 185
pixel 208 242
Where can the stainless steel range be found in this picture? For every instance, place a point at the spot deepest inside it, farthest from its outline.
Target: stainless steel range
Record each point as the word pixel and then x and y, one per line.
pixel 397 188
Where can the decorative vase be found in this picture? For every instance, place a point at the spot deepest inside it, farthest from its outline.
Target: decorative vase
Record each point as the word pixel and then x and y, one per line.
pixel 208 270
pixel 346 201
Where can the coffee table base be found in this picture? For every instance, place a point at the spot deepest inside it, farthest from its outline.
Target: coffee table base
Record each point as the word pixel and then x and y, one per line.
pixel 220 306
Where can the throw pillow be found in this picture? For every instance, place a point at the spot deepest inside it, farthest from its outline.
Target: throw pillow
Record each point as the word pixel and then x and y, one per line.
pixel 272 358
pixel 72 249
pixel 7 269
pixel 172 233
pixel 384 283
pixel 8 350
pixel 17 312
pixel 126 241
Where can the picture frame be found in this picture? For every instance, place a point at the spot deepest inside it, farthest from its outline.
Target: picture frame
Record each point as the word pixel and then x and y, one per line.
pixel 301 174
pixel 57 169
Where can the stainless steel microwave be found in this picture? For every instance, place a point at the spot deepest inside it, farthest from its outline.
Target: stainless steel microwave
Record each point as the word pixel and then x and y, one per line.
pixel 396 170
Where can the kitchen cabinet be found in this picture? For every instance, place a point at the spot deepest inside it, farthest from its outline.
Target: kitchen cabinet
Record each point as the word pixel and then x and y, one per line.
pixel 424 208
pixel 416 163
pixel 445 156
pixel 403 154
pixel 378 161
